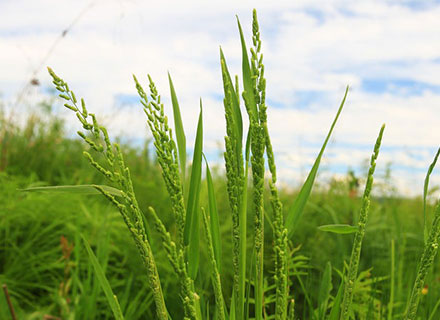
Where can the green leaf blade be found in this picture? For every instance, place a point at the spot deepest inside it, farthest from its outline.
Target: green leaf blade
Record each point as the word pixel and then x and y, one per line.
pixel 336 309
pixel 324 291
pixel 425 194
pixel 180 132
pixel 105 285
pixel 338 228
pixel 79 189
pixel 214 220
pixel 192 222
pixel 296 210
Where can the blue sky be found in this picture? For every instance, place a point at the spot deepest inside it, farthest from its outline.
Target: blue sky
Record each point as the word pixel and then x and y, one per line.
pixel 387 51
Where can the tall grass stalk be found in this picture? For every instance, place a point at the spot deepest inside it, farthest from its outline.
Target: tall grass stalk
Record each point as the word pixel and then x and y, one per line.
pixel 118 173
pixel 359 236
pixel 219 303
pixel 392 279
pixel 236 186
pixel 256 109
pixel 166 151
pixel 425 264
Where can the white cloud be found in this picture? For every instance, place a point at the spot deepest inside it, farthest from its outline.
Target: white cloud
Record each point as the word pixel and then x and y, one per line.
pixel 310 46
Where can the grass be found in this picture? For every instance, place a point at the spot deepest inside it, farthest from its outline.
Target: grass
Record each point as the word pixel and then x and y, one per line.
pixel 270 254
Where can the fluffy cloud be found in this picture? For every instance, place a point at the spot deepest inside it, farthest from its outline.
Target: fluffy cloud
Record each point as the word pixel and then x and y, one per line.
pixel 387 51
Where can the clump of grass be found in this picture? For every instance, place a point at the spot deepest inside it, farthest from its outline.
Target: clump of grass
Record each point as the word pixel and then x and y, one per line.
pixel 242 153
pixel 183 252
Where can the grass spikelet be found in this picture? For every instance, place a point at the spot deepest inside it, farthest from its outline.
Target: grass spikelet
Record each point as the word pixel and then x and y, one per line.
pixel 280 232
pixel 258 143
pixel 359 236
pixel 119 174
pixel 235 181
pixel 166 152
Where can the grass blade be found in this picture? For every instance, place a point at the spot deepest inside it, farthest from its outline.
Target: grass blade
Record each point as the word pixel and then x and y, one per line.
pixel 243 234
pixel 434 310
pixel 81 189
pixel 324 291
pixel 111 298
pixel 213 218
pixel 180 132
pixel 392 276
pixel 338 228
pixel 425 194
pixel 295 212
pixel 192 222
pixel 336 309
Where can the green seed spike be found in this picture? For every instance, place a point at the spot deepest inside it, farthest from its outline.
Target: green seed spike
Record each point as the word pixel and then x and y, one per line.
pixel 119 174
pixel 359 236
pixel 235 185
pixel 167 156
pixel 166 153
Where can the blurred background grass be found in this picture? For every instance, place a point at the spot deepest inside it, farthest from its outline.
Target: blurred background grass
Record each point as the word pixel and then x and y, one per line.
pixel 46 269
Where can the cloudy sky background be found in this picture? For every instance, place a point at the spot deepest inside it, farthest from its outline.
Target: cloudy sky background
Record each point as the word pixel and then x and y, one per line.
pixel 387 51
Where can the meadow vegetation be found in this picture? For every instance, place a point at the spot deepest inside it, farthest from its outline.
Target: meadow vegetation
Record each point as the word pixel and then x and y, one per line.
pixel 95 229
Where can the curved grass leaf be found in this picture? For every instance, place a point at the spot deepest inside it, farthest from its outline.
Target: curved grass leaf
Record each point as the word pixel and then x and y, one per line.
pixel 213 215
pixel 111 298
pixel 180 132
pixel 336 309
pixel 192 222
pixel 324 291
pixel 425 194
pixel 296 210
pixel 243 233
pixel 338 228
pixel 81 189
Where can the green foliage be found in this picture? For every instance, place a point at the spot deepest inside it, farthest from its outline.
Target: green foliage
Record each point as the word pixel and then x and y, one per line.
pixel 111 298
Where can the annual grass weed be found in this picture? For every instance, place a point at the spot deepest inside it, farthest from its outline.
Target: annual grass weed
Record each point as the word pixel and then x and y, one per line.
pixel 256 267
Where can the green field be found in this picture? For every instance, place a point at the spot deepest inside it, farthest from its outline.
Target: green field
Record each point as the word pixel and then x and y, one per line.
pixel 174 239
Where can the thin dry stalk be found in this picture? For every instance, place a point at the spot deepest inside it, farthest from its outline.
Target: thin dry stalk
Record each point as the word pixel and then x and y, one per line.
pixel 8 299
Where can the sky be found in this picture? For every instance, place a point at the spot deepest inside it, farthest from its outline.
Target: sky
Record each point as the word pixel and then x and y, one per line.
pixel 388 52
